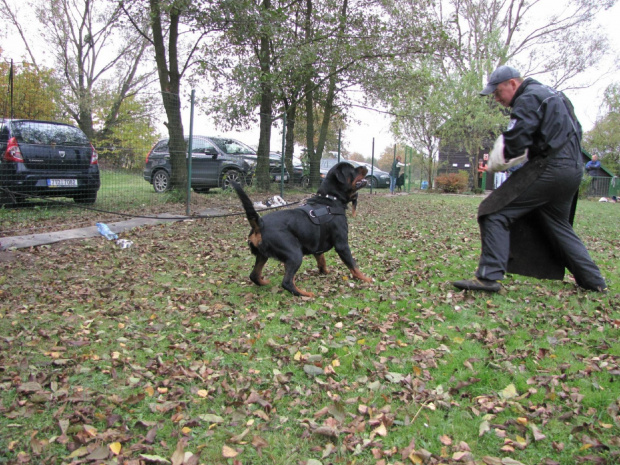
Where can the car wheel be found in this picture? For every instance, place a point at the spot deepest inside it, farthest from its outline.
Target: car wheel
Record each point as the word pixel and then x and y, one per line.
pixel 161 181
pixel 232 175
pixel 88 198
pixel 305 182
pixel 372 181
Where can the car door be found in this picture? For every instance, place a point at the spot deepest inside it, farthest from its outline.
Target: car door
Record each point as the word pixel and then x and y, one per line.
pixel 206 163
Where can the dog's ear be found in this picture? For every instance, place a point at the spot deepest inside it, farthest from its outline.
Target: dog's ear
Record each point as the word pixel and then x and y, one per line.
pixel 340 175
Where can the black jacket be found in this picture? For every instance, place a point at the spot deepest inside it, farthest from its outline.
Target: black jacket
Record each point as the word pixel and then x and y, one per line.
pixel 543 121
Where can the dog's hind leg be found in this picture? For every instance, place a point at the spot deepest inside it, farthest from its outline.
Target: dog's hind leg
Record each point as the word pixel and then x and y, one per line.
pixel 257 272
pixel 288 282
pixel 320 262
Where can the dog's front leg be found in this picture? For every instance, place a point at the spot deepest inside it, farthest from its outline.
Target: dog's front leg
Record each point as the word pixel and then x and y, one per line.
pixel 344 252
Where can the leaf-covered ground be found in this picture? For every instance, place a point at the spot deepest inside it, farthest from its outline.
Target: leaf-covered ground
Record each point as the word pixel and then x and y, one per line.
pixel 166 353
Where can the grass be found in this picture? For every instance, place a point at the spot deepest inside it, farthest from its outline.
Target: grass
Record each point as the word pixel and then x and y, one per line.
pixel 122 194
pixel 113 355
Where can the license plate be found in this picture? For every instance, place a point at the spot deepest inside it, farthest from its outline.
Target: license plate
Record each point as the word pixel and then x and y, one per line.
pixel 278 177
pixel 62 183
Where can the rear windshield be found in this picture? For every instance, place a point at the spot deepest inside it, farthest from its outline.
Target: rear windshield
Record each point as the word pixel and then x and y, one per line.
pixel 37 132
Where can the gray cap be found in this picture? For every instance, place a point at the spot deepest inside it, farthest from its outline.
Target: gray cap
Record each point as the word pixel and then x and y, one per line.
pixel 501 74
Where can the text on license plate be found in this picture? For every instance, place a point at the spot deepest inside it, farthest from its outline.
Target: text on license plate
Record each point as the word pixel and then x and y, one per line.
pixel 62 183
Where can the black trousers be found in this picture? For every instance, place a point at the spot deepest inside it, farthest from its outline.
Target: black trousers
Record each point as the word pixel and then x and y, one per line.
pixel 551 197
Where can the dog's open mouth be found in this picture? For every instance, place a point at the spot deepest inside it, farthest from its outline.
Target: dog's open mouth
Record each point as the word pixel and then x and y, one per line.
pixel 360 184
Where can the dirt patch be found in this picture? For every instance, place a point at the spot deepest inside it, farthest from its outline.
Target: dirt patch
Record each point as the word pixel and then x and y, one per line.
pixel 11 256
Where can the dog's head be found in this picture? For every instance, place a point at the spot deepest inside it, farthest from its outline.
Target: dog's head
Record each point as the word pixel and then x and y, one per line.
pixel 343 181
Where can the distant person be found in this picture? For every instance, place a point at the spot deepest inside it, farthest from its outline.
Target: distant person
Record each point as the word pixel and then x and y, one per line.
pixel 593 167
pixel 394 173
pixel 525 225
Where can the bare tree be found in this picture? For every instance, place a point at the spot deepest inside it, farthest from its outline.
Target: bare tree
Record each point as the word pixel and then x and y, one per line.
pixel 89 50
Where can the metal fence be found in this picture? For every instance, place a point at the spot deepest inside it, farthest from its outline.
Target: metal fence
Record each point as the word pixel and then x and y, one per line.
pixel 595 186
pixel 600 186
pixel 50 179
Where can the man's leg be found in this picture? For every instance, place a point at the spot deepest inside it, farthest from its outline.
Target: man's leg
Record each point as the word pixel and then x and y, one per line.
pixel 552 195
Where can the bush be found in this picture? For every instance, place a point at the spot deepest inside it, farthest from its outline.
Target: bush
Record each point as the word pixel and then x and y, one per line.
pixel 452 182
pixel 584 187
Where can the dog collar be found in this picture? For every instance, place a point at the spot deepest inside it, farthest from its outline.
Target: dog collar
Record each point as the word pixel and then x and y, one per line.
pixel 327 196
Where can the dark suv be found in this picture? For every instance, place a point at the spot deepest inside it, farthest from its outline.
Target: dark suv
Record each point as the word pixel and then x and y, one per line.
pixel 215 163
pixel 47 159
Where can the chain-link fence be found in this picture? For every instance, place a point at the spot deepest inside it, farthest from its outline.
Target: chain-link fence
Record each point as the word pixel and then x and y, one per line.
pixel 53 175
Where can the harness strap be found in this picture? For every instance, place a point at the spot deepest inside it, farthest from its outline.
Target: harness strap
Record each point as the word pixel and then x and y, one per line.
pixel 320 215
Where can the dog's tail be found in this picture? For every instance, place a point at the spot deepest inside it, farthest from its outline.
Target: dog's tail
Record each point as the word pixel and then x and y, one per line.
pixel 251 214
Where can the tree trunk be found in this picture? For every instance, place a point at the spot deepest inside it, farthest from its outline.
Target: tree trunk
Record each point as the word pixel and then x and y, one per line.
pixel 289 143
pixel 263 179
pixel 169 79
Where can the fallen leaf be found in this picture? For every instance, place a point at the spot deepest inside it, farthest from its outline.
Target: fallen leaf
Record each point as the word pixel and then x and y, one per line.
pixel 538 436
pixel 154 458
pixel 484 428
pixel 178 455
pixel 509 392
pixel 116 447
pixel 313 370
pixel 492 460
pixel 510 461
pixel 229 452
pixel 380 430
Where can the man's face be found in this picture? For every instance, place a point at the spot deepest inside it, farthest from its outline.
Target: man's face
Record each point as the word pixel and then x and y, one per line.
pixel 505 91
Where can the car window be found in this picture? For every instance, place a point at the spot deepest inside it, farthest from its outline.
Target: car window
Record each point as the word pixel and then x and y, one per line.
pixel 36 132
pixel 4 134
pixel 202 145
pixel 232 147
pixel 161 146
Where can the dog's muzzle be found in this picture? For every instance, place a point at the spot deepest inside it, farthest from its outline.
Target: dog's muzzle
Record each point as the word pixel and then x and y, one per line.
pixel 360 184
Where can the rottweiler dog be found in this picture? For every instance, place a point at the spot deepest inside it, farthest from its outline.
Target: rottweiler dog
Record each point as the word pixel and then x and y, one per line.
pixel 311 229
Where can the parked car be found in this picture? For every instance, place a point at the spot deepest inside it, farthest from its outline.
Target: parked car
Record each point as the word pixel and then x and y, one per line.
pixel 375 177
pixel 46 159
pixel 275 165
pixel 216 162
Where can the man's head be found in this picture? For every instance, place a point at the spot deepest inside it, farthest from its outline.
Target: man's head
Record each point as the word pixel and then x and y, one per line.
pixel 503 83
pixel 594 157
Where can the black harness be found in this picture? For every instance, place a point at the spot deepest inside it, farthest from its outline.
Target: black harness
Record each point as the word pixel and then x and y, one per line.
pixel 320 215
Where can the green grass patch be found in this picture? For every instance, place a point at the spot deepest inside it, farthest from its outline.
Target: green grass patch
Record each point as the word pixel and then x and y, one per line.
pixel 138 355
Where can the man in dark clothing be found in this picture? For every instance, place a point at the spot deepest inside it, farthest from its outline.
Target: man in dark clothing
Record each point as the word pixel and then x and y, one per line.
pixel 544 128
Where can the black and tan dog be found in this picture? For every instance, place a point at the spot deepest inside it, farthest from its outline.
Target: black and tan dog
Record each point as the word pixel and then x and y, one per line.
pixel 312 229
